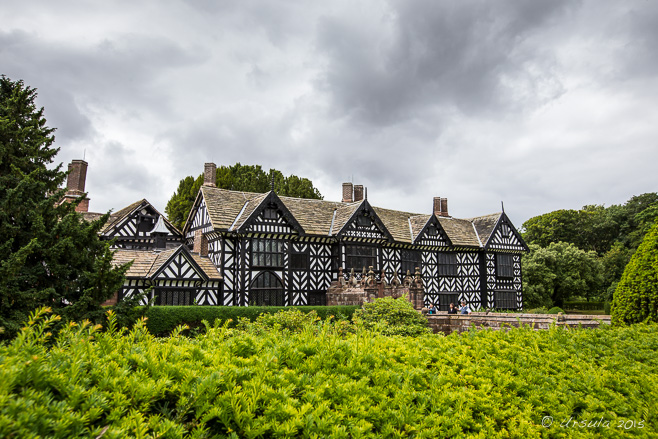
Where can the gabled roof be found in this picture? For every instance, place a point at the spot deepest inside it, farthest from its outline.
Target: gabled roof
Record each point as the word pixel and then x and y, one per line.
pixel 146 264
pixel 485 225
pixel 229 210
pixel 117 217
pixel 226 208
pixel 270 198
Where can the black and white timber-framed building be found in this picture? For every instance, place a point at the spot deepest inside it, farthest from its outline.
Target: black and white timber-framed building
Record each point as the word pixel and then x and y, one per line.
pixel 275 250
pixel 162 266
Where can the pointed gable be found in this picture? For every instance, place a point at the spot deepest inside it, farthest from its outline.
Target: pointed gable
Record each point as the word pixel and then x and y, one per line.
pixel 268 214
pixel 502 236
pixel 180 264
pixel 137 220
pixel 166 264
pixel 365 224
pixel 430 232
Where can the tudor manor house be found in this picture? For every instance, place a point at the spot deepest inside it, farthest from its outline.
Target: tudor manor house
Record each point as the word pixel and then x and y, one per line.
pixel 241 249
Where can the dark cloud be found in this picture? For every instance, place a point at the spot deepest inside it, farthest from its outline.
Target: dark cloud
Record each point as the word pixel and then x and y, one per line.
pixel 543 105
pixel 425 54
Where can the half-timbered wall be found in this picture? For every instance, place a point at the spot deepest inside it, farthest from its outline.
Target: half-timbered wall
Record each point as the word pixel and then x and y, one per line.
pixel 134 232
pixel 201 221
pixel 308 285
pixel 496 283
pixel 132 287
pixel 466 282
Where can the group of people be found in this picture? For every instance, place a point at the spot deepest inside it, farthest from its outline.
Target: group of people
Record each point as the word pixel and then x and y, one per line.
pixel 464 309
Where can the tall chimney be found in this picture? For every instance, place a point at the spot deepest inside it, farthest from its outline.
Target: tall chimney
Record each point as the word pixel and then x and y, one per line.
pixel 75 184
pixel 347 193
pixel 441 206
pixel 209 174
pixel 358 192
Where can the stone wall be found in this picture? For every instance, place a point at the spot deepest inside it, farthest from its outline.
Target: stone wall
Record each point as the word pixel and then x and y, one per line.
pixel 448 323
pixel 353 291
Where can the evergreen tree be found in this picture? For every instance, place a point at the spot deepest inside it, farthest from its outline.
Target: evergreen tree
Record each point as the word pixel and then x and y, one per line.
pixel 238 177
pixel 49 256
pixel 636 296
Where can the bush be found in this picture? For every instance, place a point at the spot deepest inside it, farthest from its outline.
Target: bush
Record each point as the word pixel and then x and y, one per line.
pixel 636 296
pixel 555 310
pixel 583 306
pixel 392 317
pixel 227 383
pixel 163 319
pixel 540 310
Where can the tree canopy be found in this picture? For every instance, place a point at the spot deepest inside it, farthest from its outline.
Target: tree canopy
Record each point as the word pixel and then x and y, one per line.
pixel 636 296
pixel 554 274
pixel 49 256
pixel 613 233
pixel 238 177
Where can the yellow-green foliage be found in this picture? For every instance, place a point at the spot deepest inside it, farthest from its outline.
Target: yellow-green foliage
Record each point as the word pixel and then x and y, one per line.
pixel 636 295
pixel 314 379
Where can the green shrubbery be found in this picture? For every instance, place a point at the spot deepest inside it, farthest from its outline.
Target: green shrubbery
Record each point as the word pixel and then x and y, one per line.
pixel 315 380
pixel 163 319
pixel 392 317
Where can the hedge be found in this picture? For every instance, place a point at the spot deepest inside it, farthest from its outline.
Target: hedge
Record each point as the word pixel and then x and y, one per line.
pixel 584 306
pixel 322 382
pixel 163 319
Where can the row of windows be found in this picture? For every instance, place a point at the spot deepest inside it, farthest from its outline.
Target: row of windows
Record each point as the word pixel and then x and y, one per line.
pixel 269 253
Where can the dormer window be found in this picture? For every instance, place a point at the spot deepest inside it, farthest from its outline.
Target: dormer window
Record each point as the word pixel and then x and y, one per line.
pixel 270 213
pixel 432 230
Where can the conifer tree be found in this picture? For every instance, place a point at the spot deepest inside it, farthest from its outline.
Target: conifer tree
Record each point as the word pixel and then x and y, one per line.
pixel 636 297
pixel 49 256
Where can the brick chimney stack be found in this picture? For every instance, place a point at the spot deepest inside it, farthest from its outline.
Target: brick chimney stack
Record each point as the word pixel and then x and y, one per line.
pixel 358 192
pixel 209 174
pixel 441 206
pixel 75 184
pixel 348 193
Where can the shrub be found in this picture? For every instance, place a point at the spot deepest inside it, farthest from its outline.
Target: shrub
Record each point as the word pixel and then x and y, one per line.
pixel 392 317
pixel 555 310
pixel 163 319
pixel 636 296
pixel 118 383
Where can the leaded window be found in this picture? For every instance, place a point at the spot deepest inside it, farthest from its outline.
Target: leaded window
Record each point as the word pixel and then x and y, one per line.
pixel 363 221
pixel 359 256
pixel 505 299
pixel 174 297
pixel 299 261
pixel 266 290
pixel 409 260
pixel 448 265
pixel 445 299
pixel 270 213
pixel 267 253
pixel 504 265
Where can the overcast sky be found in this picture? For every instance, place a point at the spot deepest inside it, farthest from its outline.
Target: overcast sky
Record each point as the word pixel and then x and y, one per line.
pixel 544 105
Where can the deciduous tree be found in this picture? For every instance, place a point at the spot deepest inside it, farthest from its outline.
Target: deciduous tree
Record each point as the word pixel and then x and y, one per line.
pixel 553 274
pixel 238 177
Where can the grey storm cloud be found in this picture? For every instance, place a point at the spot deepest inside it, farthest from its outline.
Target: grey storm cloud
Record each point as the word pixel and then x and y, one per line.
pixel 427 54
pixel 543 105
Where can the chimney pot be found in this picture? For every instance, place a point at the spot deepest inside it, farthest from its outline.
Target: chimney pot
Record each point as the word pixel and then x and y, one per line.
pixel 358 192
pixel 209 174
pixel 347 193
pixel 441 206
